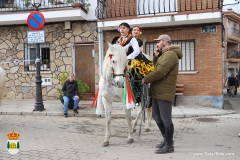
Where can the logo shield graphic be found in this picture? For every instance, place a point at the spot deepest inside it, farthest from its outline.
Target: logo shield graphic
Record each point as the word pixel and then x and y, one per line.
pixel 13 144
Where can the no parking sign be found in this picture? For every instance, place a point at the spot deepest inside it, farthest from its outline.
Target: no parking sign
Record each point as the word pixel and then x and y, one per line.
pixel 35 20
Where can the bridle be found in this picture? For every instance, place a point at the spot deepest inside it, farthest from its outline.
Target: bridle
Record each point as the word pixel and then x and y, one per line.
pixel 124 74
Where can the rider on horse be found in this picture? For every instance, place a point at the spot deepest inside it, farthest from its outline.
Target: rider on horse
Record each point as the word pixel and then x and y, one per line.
pixel 138 65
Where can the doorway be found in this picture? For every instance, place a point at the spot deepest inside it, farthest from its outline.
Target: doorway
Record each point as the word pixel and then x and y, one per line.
pixel 84 66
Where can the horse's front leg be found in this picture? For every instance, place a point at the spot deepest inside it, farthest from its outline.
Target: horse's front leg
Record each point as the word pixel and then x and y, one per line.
pixel 148 113
pixel 129 121
pixel 136 120
pixel 108 110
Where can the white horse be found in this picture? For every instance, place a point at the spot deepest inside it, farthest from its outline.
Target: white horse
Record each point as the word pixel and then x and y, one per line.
pixel 2 84
pixel 111 89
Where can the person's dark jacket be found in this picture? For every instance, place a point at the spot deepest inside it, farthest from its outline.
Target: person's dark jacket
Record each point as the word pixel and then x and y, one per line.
pixel 164 77
pixel 70 89
pixel 232 81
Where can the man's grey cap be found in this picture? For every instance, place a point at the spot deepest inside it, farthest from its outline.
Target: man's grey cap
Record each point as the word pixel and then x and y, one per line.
pixel 163 37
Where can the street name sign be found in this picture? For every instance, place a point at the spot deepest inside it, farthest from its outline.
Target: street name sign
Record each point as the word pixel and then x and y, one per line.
pixel 208 29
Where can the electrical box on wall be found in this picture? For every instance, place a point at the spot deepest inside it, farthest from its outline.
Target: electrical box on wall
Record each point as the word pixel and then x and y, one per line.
pixel 46 81
pixel 67 25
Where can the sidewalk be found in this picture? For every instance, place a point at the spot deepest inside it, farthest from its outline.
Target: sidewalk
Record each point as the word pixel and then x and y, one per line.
pixel 55 108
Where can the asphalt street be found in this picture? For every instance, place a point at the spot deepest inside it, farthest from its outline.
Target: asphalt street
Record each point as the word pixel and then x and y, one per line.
pixel 80 138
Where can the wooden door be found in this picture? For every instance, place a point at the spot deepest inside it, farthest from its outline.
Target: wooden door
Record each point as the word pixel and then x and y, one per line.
pixel 84 65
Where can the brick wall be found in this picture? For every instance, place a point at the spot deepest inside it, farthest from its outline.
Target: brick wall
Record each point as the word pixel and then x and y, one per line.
pixel 208 57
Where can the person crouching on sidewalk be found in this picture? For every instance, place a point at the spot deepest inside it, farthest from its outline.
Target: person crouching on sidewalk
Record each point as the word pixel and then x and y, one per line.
pixel 70 91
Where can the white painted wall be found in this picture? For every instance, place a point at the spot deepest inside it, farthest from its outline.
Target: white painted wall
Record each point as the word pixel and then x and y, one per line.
pixel 50 16
pixel 235 7
pixel 91 14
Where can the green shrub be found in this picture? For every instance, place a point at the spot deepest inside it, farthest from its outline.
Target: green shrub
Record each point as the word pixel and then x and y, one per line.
pixel 63 76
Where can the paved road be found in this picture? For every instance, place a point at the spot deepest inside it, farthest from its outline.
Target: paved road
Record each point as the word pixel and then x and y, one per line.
pixel 232 103
pixel 80 138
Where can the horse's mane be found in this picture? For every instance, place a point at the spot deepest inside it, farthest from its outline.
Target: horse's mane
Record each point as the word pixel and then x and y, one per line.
pixel 118 53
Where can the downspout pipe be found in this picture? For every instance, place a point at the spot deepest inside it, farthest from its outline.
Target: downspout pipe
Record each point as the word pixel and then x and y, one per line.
pixel 101 51
pixel 223 45
pixel 223 51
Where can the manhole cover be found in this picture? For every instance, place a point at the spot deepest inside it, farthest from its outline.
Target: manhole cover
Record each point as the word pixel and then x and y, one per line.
pixel 207 119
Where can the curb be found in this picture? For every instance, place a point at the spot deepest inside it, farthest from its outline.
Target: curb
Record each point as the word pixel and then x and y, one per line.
pixel 113 115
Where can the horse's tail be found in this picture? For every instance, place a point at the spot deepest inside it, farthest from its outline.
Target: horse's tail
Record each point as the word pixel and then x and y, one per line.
pixel 2 84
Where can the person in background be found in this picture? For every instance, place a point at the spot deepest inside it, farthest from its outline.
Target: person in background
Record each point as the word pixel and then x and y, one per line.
pixel 162 90
pixel 232 83
pixel 236 86
pixel 226 85
pixel 70 91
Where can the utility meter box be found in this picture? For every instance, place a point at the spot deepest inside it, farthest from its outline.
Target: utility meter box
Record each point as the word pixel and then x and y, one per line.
pixel 46 81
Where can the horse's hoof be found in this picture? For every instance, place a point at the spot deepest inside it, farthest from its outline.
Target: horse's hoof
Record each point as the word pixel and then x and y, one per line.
pixel 105 144
pixel 129 141
pixel 134 130
pixel 147 129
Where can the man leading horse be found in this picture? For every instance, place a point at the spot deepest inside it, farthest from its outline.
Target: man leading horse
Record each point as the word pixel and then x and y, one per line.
pixel 162 90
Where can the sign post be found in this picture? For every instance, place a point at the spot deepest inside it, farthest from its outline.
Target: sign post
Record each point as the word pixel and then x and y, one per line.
pixel 35 21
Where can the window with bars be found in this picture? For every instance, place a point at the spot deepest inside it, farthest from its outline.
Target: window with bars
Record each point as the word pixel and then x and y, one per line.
pixel 30 54
pixel 187 63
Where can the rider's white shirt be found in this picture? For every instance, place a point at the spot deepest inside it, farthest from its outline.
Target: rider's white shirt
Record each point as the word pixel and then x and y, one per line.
pixel 136 49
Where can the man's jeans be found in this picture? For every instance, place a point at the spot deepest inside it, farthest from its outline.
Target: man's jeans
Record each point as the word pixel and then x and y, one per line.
pixel 66 102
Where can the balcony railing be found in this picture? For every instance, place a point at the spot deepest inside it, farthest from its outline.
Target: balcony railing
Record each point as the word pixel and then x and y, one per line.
pixel 233 32
pixel 122 8
pixel 233 54
pixel 23 5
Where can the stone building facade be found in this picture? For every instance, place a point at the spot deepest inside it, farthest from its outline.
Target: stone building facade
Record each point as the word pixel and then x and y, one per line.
pixel 20 83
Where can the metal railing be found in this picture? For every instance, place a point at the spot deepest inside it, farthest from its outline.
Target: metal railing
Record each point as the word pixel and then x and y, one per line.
pixel 233 54
pixel 122 8
pixel 187 63
pixel 30 55
pixel 233 32
pixel 22 5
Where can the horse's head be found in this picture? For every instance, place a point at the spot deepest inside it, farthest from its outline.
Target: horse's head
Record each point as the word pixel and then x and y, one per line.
pixel 114 64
